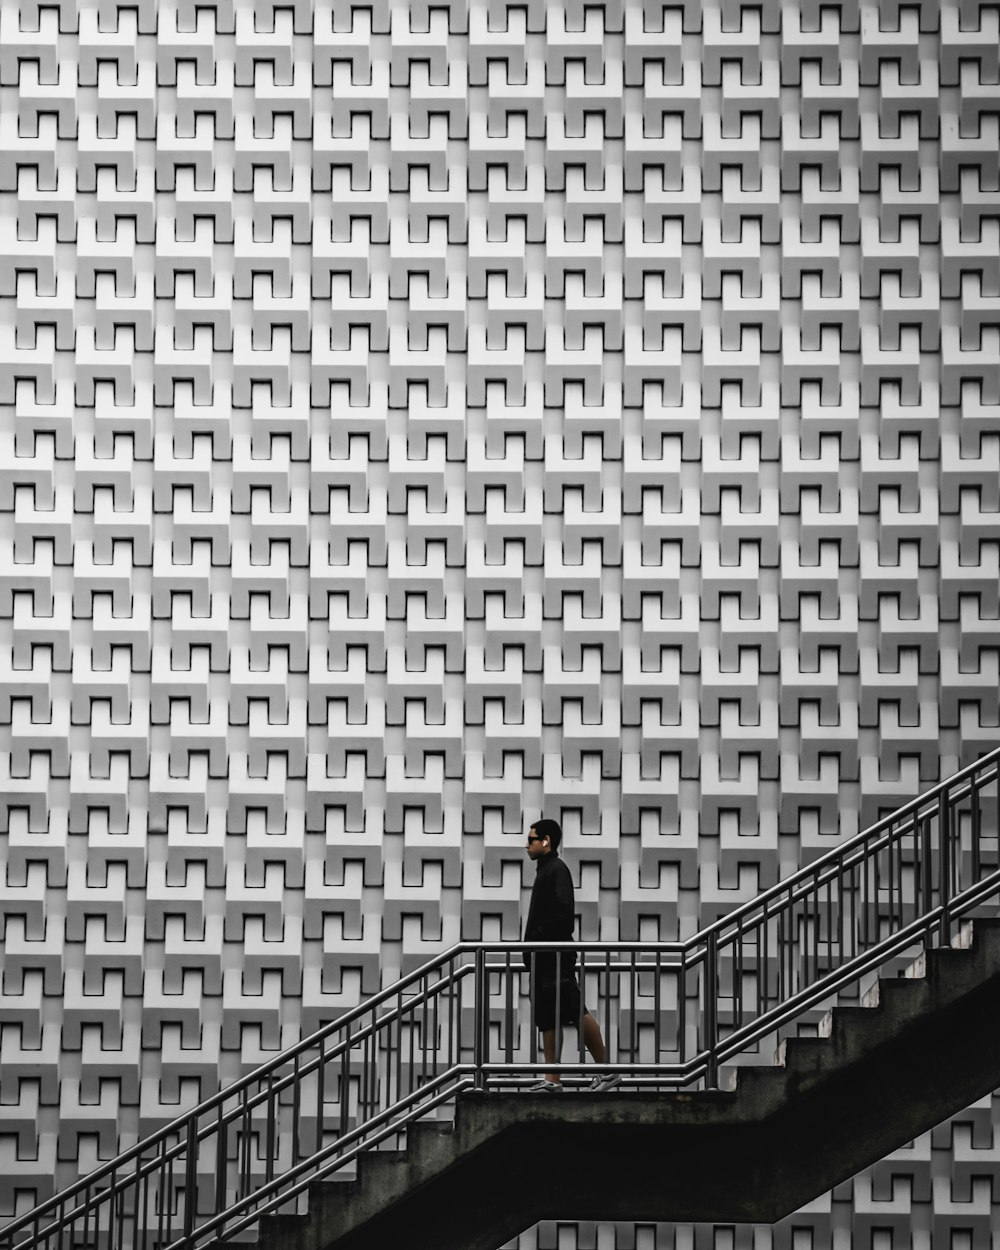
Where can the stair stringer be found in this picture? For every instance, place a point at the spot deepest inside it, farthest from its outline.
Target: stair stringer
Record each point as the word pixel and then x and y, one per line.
pixel 883 1075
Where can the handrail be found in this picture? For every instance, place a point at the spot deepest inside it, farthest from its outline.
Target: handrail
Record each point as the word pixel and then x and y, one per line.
pixel 694 1004
pixel 842 849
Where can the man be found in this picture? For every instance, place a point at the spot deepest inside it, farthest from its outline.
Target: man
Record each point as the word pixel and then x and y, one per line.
pixel 551 916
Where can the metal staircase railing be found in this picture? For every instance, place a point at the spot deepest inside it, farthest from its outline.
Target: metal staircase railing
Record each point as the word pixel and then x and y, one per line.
pixel 673 1014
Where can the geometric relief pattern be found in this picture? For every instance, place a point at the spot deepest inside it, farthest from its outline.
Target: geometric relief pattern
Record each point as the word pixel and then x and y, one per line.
pixel 415 417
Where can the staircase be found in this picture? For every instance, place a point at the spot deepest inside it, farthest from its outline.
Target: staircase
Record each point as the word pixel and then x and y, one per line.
pixel 871 978
pixel 831 1106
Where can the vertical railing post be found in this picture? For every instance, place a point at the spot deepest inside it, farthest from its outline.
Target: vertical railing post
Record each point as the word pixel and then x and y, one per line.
pixel 479 1016
pixel 508 1015
pixel 270 1133
pixel 926 872
pixel 712 1010
pixel 296 1110
pixel 656 1009
pixel 682 1051
pixel 163 1196
pixel 612 1040
pixel 115 1201
pixel 142 1219
pixel 345 1085
pixel 633 1044
pixel 221 1158
pixel 190 1179
pixel 581 1053
pixel 944 867
pixel 320 1080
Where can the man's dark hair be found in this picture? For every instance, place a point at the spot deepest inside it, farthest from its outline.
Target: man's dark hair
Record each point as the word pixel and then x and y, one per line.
pixel 550 829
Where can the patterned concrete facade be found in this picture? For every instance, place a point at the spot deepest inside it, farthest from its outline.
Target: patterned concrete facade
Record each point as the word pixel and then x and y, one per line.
pixel 416 418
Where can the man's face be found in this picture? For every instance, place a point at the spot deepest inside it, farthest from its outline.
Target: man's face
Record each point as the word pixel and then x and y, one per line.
pixel 537 847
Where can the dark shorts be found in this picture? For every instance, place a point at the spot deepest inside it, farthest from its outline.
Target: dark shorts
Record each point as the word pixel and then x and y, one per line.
pixel 543 1002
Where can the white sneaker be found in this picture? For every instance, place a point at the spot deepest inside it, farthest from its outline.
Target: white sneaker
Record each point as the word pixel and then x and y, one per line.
pixel 545 1087
pixel 601 1083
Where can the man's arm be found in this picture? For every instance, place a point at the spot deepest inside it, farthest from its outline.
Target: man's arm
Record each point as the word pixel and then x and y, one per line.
pixel 563 904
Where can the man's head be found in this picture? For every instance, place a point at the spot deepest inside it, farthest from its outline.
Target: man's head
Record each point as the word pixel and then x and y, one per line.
pixel 544 837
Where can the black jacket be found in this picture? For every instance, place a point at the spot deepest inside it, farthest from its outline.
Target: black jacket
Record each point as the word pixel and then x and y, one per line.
pixel 551 914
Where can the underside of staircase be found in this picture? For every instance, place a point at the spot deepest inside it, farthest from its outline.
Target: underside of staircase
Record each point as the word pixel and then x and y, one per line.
pixel 924 1046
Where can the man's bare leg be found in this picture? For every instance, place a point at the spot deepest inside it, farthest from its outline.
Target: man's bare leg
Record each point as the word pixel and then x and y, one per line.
pixel 592 1039
pixel 550 1049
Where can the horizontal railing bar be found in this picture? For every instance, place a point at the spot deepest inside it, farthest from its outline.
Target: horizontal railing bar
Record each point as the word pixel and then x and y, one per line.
pixel 591 1069
pixel 518 948
pixel 974 894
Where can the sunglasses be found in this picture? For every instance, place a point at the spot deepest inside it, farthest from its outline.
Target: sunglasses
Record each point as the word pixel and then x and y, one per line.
pixel 533 837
